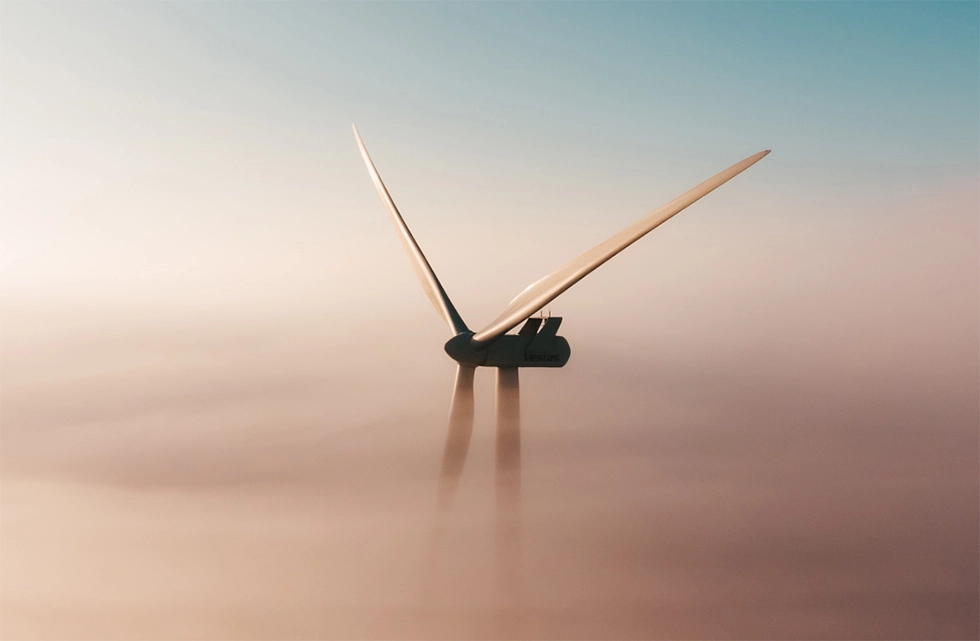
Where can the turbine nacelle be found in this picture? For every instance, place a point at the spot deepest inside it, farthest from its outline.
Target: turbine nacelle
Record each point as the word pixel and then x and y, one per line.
pixel 528 348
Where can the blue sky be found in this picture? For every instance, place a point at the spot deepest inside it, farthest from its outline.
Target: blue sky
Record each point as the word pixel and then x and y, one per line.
pixel 207 117
pixel 861 85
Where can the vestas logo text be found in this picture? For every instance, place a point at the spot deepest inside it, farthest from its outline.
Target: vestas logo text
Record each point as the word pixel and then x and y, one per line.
pixel 541 357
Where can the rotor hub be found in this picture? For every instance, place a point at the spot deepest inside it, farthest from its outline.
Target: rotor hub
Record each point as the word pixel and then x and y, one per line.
pixel 462 349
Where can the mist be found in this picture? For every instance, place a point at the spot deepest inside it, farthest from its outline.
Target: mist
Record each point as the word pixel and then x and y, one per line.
pixel 759 435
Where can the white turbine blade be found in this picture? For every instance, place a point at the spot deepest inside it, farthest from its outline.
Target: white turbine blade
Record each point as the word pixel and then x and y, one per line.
pixel 431 285
pixel 458 436
pixel 454 455
pixel 543 291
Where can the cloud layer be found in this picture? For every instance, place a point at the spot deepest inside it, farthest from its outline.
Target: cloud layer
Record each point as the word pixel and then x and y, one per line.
pixel 792 456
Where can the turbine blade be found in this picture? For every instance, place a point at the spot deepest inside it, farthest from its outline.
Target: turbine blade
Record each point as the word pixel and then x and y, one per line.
pixel 458 437
pixel 545 290
pixel 508 470
pixel 430 283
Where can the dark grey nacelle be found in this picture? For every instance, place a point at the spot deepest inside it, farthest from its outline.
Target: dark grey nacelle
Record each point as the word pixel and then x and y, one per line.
pixel 527 348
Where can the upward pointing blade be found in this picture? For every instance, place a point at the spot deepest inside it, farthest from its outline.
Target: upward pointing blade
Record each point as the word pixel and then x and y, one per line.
pixel 542 292
pixel 431 285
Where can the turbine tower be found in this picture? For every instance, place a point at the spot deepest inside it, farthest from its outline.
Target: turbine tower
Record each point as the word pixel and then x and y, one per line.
pixel 536 344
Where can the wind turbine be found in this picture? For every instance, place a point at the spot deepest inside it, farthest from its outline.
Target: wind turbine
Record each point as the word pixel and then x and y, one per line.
pixel 536 344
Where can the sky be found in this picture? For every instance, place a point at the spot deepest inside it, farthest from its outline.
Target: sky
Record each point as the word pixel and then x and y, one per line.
pixel 223 393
